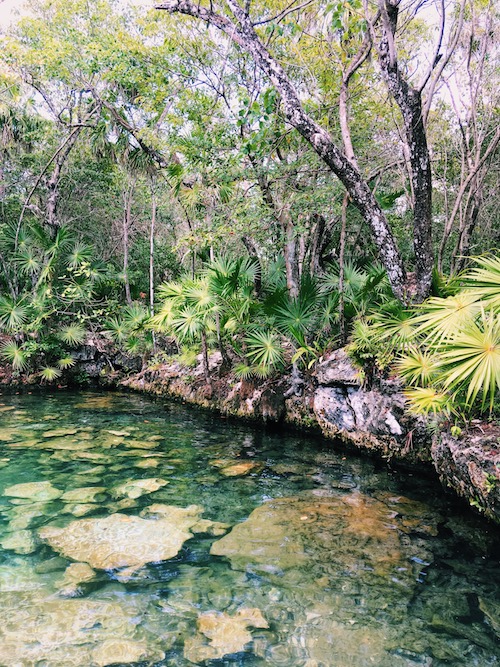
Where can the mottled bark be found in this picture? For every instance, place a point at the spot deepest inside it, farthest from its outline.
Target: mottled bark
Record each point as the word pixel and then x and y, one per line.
pixel 243 33
pixel 409 101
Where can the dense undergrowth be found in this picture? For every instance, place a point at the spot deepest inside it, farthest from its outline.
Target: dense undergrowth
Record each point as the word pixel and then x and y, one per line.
pixel 447 350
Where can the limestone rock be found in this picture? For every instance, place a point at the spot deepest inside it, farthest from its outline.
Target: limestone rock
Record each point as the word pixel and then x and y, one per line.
pixel 59 432
pixel 123 651
pixel 231 468
pixel 121 541
pixel 147 463
pixel 75 575
pixel 21 542
pixel 34 491
pixel 298 532
pixel 337 369
pixel 471 467
pixel 23 516
pixel 39 629
pixel 136 488
pixel 227 634
pixel 84 494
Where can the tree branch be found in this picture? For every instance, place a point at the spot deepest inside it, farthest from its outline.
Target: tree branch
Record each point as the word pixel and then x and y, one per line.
pixel 245 36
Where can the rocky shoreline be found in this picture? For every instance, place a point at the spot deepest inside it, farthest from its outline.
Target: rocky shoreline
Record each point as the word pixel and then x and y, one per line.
pixel 332 403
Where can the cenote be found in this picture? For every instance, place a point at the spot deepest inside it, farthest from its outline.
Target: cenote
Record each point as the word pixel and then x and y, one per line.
pixel 135 533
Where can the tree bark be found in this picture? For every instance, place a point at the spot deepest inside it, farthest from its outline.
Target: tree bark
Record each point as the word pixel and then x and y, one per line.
pixel 54 180
pixel 409 101
pixel 127 215
pixel 243 34
pixel 151 252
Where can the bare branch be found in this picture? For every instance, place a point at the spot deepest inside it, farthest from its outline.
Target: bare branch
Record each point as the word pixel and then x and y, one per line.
pixel 440 66
pixel 207 15
pixel 288 10
pixel 437 55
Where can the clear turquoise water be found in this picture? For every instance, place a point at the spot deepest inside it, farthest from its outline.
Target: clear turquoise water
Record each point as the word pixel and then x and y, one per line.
pixel 348 563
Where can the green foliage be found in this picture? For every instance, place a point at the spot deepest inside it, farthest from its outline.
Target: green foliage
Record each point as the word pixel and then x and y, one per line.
pixel 15 355
pixel 49 374
pixel 73 334
pixel 458 339
pixel 264 349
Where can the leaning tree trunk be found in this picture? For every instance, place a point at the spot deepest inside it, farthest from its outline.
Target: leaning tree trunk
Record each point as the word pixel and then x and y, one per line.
pixel 243 34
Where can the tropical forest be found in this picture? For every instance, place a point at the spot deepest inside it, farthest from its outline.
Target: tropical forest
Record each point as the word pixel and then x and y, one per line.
pixel 250 270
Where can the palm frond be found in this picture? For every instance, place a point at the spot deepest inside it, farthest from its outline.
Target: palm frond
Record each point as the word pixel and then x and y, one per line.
pixel 73 334
pixel 66 362
pixel 15 355
pixel 49 374
pixel 424 400
pixel 483 282
pixel 441 319
pixel 264 349
pixel 472 360
pixel 418 366
pixel 13 313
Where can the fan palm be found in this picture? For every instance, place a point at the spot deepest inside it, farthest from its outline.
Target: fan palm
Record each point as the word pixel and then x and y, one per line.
pixel 13 313
pixel 15 355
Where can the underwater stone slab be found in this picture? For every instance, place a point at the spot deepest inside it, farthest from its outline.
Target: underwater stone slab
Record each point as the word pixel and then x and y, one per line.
pixel 42 630
pixel 120 652
pixel 35 491
pixel 84 494
pixel 75 575
pixel 136 488
pixel 227 634
pixel 122 541
pixel 59 432
pixel 21 542
pixel 295 532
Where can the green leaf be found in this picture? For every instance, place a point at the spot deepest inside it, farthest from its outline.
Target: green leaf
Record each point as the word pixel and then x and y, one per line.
pixel 73 334
pixel 49 374
pixel 264 349
pixel 15 355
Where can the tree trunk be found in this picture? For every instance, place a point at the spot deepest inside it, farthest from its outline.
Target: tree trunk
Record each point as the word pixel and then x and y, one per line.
pixel 409 101
pixel 54 180
pixel 151 260
pixel 291 258
pixel 343 229
pixel 127 214
pixel 151 253
pixel 204 357
pixel 243 33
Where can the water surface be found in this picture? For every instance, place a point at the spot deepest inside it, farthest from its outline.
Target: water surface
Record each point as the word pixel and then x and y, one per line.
pixel 289 552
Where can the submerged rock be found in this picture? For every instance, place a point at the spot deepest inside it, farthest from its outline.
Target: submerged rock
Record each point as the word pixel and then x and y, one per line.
pixel 75 575
pixel 59 432
pixel 43 630
pixel 34 491
pixel 122 541
pixel 21 542
pixel 84 494
pixel 227 634
pixel 120 652
pixel 136 488
pixel 354 531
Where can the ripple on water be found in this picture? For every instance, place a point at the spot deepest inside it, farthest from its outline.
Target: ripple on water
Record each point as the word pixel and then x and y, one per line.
pixel 303 557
